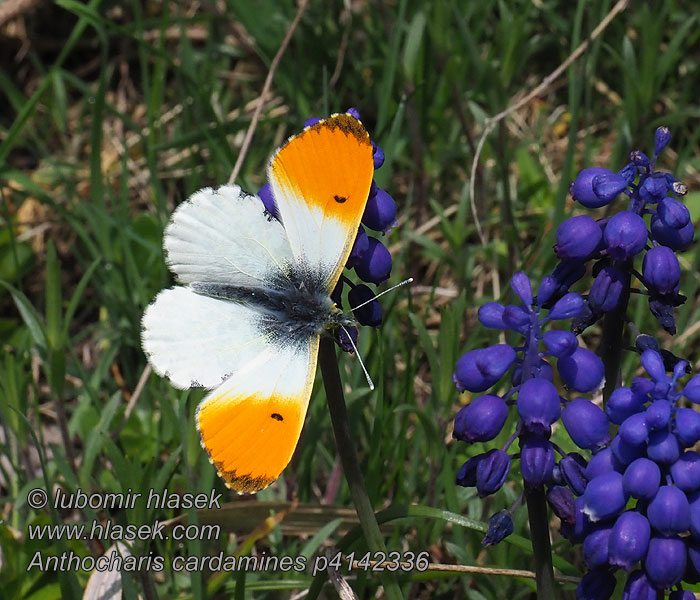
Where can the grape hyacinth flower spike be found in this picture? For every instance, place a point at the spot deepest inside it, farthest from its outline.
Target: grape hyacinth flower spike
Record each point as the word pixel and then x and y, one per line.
pixel 535 398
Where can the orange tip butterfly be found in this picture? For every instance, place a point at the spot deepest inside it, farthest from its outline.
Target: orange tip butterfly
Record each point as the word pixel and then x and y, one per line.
pixel 255 297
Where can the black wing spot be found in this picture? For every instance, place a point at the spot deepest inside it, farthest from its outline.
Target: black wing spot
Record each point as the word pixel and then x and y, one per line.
pixel 340 199
pixel 277 417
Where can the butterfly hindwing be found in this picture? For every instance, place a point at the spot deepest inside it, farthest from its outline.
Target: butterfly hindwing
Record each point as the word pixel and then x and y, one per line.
pixel 197 341
pixel 320 180
pixel 250 425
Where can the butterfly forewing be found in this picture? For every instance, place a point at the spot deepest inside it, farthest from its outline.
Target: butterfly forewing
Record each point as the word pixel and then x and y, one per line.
pixel 320 180
pixel 224 236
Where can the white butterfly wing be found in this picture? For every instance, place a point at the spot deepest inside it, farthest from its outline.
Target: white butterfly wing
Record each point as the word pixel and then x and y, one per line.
pixel 224 236
pixel 196 340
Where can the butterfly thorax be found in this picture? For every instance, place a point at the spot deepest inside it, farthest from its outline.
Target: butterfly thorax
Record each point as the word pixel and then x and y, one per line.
pixel 290 308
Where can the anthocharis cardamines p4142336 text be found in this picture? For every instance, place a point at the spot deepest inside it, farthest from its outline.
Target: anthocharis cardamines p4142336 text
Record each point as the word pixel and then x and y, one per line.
pixel 255 297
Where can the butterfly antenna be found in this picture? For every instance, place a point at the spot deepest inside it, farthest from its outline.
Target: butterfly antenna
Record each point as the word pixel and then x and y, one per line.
pixel 393 287
pixel 369 379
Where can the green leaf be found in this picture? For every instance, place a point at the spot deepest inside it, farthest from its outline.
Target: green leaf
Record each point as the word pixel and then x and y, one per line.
pixel 28 313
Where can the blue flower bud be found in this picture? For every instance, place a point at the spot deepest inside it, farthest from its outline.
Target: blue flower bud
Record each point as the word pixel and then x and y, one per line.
pixel 500 527
pixel 268 200
pixel 638 588
pixel 625 453
pixel 687 426
pixel 607 289
pixel 646 342
pixel 625 235
pixel 623 402
pixel 516 318
pixel 607 186
pixel 669 511
pixel 665 561
pixel 561 499
pixel 661 270
pixel 642 386
pixel 642 478
pixel 520 283
pixel 658 414
pixel 628 173
pixel 692 390
pixel 359 247
pixel 586 423
pixel 378 156
pixel 629 540
pixel 663 447
pixel 582 189
pixel 370 314
pixel 380 211
pixel 491 315
pixel 569 305
pixel 673 213
pixel 538 404
pixel 479 369
pixel 640 159
pixel 582 526
pixel 481 420
pixel 582 370
pixel 560 342
pixel 344 337
pixel 353 112
pixel 598 584
pixel 654 188
pixel 604 497
pixel 662 136
pixel 375 264
pixel 466 476
pixel 558 282
pixel 311 121
pixel 491 472
pixel 654 365
pixel 536 460
pixel 577 238
pixel 601 462
pixel 573 471
pixel 595 547
pixel 634 430
pixel 686 471
pixel 676 239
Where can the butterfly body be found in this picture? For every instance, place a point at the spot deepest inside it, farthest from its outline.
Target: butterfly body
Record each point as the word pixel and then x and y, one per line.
pixel 291 309
pixel 254 297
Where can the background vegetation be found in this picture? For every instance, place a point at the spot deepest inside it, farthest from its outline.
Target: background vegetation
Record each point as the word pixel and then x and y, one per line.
pixel 111 113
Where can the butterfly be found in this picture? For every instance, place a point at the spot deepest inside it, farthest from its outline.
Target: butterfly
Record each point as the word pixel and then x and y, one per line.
pixel 255 297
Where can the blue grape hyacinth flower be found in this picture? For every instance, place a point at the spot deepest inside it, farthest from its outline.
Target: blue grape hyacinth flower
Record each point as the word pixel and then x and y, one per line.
pixel 645 486
pixel 655 224
pixel 534 396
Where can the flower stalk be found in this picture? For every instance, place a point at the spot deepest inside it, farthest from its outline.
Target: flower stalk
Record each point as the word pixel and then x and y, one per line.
pixel 348 458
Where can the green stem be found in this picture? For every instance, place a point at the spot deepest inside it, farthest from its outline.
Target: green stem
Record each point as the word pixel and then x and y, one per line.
pixel 541 548
pixel 348 458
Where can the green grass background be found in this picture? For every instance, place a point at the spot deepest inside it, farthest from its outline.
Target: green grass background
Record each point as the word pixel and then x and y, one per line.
pixel 111 113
